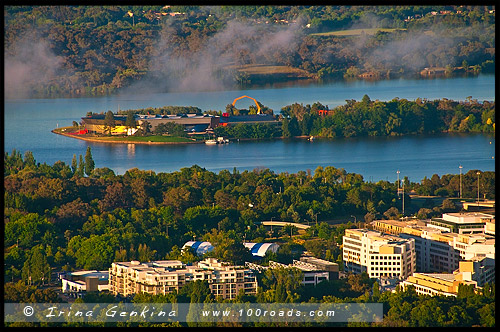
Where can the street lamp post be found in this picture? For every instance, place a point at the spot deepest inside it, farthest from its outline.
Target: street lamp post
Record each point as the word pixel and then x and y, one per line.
pixel 355 220
pixel 460 180
pixel 398 180
pixel 478 187
pixel 403 199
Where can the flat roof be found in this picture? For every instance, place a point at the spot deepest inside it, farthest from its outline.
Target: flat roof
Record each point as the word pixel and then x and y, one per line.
pixel 442 276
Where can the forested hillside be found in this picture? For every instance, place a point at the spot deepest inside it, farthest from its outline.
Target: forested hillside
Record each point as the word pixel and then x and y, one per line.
pixel 87 217
pixel 54 51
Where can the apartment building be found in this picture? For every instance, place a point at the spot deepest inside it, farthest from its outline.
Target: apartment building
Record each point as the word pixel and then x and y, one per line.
pixel 161 277
pixel 377 254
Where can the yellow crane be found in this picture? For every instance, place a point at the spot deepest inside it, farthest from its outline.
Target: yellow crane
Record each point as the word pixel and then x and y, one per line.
pixel 256 103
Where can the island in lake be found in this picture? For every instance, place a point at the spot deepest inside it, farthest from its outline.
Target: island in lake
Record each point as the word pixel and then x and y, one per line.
pixel 189 125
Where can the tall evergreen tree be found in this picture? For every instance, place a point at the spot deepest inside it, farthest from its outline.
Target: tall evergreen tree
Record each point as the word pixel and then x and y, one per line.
pixel 81 166
pixel 89 162
pixel 130 121
pixel 109 121
pixel 74 164
pixel 29 159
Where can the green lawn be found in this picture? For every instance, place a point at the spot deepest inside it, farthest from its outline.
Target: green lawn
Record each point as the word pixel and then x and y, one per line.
pixel 354 32
pixel 162 139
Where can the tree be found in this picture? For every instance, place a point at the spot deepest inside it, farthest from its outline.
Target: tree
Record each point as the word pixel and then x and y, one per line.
pixel 145 253
pixel 29 159
pixel 109 121
pixel 145 128
pixel 36 269
pixel 81 166
pixel 130 122
pixel 89 162
pixel 96 252
pixel 284 283
pixel 228 248
pixel 19 292
pixel 117 195
pixel 392 213
pixel 74 164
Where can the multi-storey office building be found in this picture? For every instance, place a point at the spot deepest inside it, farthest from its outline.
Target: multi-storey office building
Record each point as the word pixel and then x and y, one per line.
pixel 462 222
pixel 434 250
pixel 476 271
pixel 378 255
pixel 161 277
pixel 439 250
pixel 471 245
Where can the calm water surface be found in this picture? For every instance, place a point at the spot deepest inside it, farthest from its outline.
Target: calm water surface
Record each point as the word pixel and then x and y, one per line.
pixel 28 124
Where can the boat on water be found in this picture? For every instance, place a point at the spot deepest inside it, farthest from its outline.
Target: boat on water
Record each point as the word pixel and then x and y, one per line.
pixel 219 140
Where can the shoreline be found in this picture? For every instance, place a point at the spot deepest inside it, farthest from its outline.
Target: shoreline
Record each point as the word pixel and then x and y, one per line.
pixel 90 139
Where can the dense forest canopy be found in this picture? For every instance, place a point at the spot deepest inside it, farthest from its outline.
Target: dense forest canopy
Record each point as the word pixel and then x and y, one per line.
pixel 89 216
pixel 374 118
pixel 94 50
pixel 65 217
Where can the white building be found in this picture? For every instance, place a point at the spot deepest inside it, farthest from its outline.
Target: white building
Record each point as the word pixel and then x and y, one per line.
pixel 471 245
pixel 439 250
pixel 378 255
pixel 462 222
pixel 435 251
pixel 79 282
pixel 476 271
pixel 161 277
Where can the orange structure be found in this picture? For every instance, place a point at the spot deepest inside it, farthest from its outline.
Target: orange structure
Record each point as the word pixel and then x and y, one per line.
pixel 324 112
pixel 256 103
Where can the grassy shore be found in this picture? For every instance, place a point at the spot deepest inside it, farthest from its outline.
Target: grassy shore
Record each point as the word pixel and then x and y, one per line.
pixel 155 139
pixel 354 32
pixel 145 139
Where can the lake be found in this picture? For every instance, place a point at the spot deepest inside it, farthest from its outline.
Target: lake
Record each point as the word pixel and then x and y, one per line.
pixel 28 124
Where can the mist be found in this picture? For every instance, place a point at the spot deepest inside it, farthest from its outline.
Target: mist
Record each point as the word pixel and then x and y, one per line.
pixel 419 48
pixel 27 64
pixel 213 64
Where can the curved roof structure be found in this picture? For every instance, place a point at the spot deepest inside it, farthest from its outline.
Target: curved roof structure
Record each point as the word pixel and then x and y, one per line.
pixel 260 249
pixel 199 247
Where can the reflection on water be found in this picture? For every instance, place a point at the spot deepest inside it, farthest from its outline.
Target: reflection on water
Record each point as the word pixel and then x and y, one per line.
pixel 131 150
